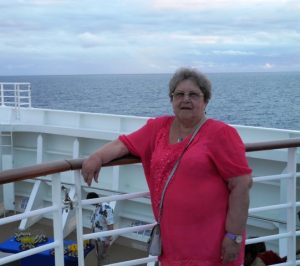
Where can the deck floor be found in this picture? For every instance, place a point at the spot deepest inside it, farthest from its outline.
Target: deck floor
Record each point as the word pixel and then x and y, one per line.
pixel 118 252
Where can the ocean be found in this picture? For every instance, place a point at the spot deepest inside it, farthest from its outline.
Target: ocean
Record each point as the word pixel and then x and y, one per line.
pixel 269 99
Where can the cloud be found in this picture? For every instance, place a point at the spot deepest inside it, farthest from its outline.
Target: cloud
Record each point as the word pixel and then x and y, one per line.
pixel 42 2
pixel 268 66
pixel 232 52
pixel 149 35
pixel 89 39
pixel 205 5
pixel 200 39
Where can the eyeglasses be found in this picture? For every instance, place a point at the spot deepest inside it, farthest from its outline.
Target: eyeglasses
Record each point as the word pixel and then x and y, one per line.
pixel 191 95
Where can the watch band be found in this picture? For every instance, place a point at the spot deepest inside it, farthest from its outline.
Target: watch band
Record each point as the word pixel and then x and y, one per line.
pixel 236 238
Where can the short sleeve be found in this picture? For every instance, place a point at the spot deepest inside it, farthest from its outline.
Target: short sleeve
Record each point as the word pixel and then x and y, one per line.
pixel 138 141
pixel 228 153
pixel 141 142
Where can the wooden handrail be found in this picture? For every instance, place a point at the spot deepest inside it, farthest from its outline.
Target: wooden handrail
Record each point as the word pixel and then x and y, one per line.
pixel 28 172
pixel 273 145
pixel 49 168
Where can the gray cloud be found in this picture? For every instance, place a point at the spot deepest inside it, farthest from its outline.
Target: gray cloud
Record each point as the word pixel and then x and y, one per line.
pixel 147 36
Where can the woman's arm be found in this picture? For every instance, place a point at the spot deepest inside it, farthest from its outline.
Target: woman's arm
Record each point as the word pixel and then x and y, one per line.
pixel 238 204
pixel 92 165
pixel 237 214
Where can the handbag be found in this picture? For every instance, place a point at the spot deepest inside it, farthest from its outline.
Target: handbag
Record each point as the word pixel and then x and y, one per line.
pixel 154 242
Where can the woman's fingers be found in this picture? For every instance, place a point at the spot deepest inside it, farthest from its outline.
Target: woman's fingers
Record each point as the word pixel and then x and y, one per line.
pixel 90 170
pixel 88 177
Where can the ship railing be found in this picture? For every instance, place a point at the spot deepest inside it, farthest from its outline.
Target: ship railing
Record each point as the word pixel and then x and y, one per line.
pixel 55 168
pixel 15 94
pixel 290 232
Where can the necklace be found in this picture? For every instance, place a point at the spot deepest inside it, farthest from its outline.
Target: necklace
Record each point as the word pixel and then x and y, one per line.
pixel 180 139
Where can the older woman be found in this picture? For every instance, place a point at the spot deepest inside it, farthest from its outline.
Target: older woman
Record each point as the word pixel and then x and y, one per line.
pixel 206 203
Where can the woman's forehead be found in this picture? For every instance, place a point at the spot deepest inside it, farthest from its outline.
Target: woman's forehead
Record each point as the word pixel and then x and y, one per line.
pixel 187 84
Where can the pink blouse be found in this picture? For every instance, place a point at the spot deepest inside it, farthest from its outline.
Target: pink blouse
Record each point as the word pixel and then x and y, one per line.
pixel 196 200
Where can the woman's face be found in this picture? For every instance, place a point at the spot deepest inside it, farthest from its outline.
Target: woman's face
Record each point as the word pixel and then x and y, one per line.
pixel 188 101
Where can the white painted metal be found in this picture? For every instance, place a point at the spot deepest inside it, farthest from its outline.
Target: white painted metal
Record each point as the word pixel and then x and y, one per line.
pixel 20 216
pixel 79 222
pixel 68 215
pixel 136 262
pixel 2 93
pixel 57 220
pixel 8 189
pixel 115 198
pixel 117 232
pixel 15 94
pixel 36 200
pixel 6 155
pixel 291 212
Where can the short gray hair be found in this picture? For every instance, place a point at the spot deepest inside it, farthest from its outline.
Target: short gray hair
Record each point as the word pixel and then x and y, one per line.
pixel 194 75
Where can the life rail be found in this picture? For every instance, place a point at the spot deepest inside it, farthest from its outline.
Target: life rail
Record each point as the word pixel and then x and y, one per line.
pixel 15 94
pixel 13 175
pixel 53 168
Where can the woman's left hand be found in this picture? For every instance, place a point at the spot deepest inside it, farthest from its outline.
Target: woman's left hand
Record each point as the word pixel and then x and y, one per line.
pixel 230 250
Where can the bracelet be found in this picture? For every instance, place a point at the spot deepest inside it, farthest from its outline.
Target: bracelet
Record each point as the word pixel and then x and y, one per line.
pixel 236 238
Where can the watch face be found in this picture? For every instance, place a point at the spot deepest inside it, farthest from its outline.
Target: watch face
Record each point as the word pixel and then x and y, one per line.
pixel 238 239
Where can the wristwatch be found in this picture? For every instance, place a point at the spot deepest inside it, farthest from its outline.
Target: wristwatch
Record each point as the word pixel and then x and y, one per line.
pixel 236 238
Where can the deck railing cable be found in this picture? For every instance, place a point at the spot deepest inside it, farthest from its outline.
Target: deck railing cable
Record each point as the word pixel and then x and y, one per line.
pixel 54 168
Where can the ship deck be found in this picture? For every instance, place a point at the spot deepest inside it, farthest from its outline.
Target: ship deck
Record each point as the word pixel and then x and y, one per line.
pixel 119 251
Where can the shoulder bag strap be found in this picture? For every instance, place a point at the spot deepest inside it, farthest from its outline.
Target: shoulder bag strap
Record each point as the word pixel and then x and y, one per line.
pixel 176 165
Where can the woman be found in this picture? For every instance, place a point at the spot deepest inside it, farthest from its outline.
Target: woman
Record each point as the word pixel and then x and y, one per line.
pixel 206 203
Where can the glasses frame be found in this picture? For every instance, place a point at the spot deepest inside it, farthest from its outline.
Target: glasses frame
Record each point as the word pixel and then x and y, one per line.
pixel 180 95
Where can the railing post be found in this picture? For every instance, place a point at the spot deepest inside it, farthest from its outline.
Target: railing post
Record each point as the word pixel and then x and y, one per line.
pixel 291 212
pixel 2 94
pixel 79 223
pixel 29 95
pixel 57 220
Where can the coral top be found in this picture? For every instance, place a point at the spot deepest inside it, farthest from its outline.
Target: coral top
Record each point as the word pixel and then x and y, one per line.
pixel 196 200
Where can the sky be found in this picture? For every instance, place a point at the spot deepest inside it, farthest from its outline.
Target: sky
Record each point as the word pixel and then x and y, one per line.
pixel 48 37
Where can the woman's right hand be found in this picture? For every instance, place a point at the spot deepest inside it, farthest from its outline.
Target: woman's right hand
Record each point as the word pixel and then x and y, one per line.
pixel 91 168
pixel 92 165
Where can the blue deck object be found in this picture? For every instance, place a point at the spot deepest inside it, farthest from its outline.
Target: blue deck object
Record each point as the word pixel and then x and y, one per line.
pixel 44 258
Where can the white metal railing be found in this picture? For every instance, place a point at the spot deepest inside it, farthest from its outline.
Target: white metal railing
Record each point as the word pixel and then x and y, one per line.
pixel 58 243
pixel 291 204
pixel 56 208
pixel 15 94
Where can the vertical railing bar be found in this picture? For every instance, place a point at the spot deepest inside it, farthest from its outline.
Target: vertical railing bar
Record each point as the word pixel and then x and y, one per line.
pixel 2 95
pixel 29 95
pixel 291 212
pixel 18 97
pixel 79 222
pixel 18 102
pixel 15 95
pixel 57 220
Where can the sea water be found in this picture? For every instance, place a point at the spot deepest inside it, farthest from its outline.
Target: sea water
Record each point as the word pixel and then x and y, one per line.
pixel 269 99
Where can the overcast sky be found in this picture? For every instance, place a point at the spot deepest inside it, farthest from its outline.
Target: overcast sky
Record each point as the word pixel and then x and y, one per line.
pixel 148 36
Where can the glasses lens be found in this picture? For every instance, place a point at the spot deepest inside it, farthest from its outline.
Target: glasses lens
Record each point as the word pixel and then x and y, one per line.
pixel 190 95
